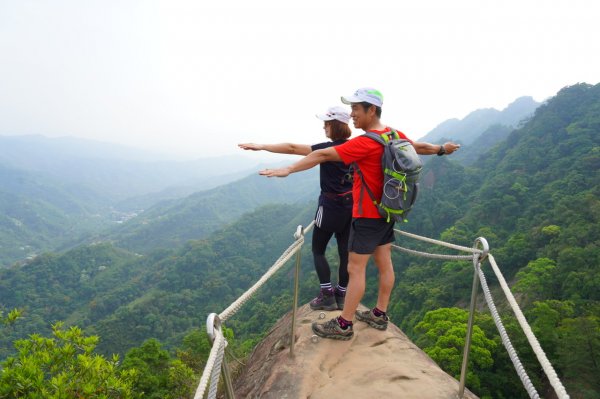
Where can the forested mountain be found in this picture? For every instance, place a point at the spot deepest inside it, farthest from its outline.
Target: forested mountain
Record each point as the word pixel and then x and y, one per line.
pixel 81 187
pixel 468 129
pixel 493 135
pixel 534 196
pixel 172 223
pixel 128 298
pixel 55 193
pixel 40 214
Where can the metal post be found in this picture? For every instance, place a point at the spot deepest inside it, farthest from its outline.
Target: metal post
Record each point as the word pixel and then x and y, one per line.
pixel 213 322
pixel 463 369
pixel 299 233
pixel 227 381
pixel 477 258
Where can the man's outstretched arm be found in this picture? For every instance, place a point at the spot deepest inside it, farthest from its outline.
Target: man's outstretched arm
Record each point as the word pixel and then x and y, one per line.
pixel 311 160
pixel 432 149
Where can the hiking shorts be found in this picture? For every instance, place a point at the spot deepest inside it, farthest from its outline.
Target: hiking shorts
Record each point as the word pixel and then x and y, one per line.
pixel 367 234
pixel 334 213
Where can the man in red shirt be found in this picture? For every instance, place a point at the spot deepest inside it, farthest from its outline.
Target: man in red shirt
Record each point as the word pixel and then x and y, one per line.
pixel 370 234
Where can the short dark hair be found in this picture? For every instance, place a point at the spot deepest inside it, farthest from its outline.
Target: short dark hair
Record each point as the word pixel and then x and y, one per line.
pixel 339 130
pixel 367 105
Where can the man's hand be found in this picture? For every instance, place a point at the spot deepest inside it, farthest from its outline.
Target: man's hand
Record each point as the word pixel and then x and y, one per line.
pixel 283 172
pixel 251 146
pixel 451 147
pixel 311 160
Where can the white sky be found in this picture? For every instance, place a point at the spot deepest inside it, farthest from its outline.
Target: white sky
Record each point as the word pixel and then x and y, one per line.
pixel 198 77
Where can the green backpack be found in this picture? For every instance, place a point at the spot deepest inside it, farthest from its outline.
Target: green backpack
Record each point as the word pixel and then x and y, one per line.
pixel 401 169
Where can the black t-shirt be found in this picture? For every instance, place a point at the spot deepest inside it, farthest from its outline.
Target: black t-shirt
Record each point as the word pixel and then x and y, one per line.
pixel 333 174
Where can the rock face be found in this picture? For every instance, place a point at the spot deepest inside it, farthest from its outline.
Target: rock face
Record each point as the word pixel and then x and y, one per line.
pixel 373 364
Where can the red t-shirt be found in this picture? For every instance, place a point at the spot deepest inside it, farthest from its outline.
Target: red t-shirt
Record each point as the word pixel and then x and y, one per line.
pixel 367 154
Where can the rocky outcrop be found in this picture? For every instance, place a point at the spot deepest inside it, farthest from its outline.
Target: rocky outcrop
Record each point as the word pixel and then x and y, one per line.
pixel 374 364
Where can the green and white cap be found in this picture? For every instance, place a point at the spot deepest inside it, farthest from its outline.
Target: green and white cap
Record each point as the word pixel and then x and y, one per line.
pixel 337 113
pixel 365 94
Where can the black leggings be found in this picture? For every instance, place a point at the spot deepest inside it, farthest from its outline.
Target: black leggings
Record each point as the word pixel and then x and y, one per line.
pixel 320 239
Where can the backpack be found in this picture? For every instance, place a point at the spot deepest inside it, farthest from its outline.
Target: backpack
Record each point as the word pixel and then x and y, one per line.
pixel 401 168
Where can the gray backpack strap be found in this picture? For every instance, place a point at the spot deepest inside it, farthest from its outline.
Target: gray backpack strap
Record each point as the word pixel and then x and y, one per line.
pixel 364 185
pixel 376 137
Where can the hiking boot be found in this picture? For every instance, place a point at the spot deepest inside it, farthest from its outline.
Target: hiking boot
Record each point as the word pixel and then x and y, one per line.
pixel 367 316
pixel 325 301
pixel 331 329
pixel 340 298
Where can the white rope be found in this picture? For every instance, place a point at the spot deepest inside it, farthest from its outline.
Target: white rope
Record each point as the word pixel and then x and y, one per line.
pixel 539 352
pixel 442 243
pixel 433 256
pixel 506 340
pixel 216 371
pixel 213 366
pixel 217 353
pixel 287 254
pixel 548 369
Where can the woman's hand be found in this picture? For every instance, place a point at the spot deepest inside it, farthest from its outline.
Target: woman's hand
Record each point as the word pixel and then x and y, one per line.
pixel 251 146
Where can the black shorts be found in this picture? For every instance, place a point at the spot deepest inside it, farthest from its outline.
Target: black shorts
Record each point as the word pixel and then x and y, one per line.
pixel 367 234
pixel 334 214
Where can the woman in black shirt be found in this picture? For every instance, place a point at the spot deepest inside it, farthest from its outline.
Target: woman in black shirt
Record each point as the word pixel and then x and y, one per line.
pixel 334 212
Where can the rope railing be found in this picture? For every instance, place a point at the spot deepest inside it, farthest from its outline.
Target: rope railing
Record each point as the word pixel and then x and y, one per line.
pixel 441 243
pixel 433 256
pixel 477 257
pixel 535 345
pixel 211 373
pixel 215 363
pixel 287 255
pixel 512 353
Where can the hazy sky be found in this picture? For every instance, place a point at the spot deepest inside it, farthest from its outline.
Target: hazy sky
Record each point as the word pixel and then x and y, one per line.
pixel 199 76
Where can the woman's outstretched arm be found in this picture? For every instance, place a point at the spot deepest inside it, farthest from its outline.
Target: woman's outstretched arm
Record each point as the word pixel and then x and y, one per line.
pixel 281 148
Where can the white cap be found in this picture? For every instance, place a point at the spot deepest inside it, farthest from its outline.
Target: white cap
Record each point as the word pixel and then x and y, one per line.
pixel 337 113
pixel 365 94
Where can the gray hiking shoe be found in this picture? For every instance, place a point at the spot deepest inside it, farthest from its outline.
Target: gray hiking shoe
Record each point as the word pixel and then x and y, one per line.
pixel 340 298
pixel 367 316
pixel 331 329
pixel 325 301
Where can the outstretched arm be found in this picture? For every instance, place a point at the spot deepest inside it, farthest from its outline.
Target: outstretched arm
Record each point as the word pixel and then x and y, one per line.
pixel 309 161
pixel 432 149
pixel 282 148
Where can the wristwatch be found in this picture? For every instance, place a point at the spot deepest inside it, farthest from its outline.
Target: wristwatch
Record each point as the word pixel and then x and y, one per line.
pixel 442 151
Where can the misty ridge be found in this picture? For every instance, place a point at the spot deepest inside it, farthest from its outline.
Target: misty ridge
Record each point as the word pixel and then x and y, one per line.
pixel 55 193
pixel 59 192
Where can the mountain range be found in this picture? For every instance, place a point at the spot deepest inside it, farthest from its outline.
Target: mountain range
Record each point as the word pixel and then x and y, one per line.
pixel 534 195
pixel 472 126
pixel 116 172
pixel 57 193
pixel 481 129
pixel 60 192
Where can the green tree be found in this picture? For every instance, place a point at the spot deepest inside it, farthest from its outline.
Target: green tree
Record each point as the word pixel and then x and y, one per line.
pixel 11 317
pixel 158 375
pixel 579 355
pixel 536 279
pixel 546 317
pixel 63 367
pixel 195 350
pixel 444 331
